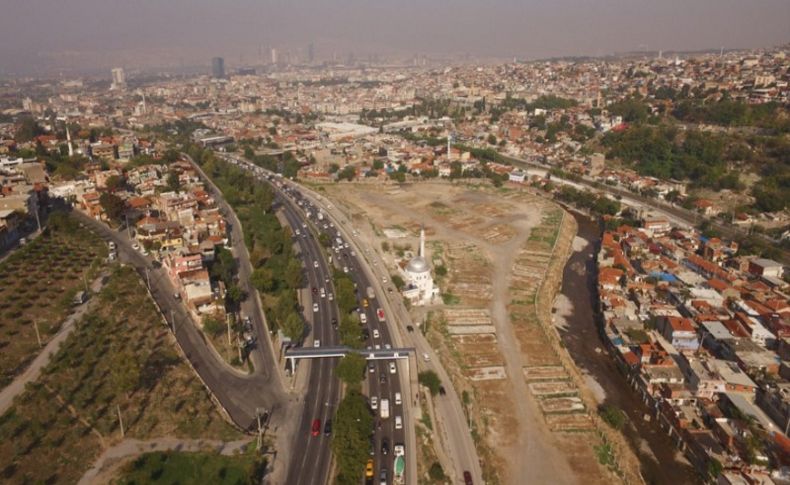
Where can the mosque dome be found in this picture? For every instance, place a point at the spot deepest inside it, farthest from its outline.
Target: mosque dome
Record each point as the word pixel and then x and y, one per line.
pixel 417 265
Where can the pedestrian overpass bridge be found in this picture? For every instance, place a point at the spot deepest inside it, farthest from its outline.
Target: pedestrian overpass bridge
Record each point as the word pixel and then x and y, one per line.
pixel 342 351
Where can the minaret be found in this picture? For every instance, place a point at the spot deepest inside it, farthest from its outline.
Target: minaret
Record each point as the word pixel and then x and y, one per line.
pixel 68 139
pixel 422 242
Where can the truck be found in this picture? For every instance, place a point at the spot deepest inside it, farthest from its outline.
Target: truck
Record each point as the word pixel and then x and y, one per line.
pixel 384 408
pixel 371 293
pixel 400 464
pixel 380 315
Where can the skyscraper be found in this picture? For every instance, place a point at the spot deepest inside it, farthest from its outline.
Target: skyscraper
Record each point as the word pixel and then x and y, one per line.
pixel 274 55
pixel 218 68
pixel 118 78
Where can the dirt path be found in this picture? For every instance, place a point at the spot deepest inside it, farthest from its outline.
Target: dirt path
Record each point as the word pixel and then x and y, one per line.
pixel 534 457
pixel 113 458
pixel 17 386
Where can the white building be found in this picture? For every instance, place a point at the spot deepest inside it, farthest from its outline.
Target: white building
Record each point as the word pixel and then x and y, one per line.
pixel 419 288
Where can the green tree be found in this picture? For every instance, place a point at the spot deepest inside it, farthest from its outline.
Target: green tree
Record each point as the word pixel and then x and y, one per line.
pixel 234 295
pixel 353 423
pixel 398 281
pixel 436 472
pixel 125 371
pixel 114 183
pixel 351 369
pixel 173 183
pixel 113 206
pixel 293 327
pixel 430 380
pixel 213 325
pixel 262 279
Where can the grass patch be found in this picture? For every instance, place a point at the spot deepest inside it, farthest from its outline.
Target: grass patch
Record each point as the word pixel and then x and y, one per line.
pixel 197 468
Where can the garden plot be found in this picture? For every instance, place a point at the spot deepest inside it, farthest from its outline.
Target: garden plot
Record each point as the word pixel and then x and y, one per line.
pixel 571 404
pixel 545 373
pixel 487 373
pixel 37 285
pixel 552 388
pixel 570 422
pixel 120 358
pixel 470 275
pixel 467 316
pixel 470 329
pixel 476 351
pixel 497 233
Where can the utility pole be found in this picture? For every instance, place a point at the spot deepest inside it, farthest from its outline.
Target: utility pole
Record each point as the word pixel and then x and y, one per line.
pixel 120 419
pixel 38 220
pixel 128 229
pixel 148 278
pixel 38 335
pixel 261 413
pixel 173 320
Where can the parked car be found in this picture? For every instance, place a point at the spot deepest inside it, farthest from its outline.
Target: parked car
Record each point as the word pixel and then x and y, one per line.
pixel 316 428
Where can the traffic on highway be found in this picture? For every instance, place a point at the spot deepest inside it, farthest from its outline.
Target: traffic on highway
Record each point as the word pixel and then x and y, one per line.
pixel 383 386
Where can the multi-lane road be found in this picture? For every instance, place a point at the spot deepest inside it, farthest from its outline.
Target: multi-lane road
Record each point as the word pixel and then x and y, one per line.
pixel 311 464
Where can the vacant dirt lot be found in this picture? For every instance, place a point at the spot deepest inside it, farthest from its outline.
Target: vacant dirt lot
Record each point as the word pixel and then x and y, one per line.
pixel 496 245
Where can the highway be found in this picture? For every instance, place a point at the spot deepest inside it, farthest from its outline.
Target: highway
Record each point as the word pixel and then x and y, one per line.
pixel 321 399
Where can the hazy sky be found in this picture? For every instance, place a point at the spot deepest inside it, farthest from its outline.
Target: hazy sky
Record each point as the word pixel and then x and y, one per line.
pixel 38 34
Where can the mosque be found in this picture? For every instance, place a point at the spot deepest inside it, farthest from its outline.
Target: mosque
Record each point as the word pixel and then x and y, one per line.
pixel 419 288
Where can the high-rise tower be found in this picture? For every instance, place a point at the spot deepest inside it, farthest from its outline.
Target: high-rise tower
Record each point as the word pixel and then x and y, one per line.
pixel 218 68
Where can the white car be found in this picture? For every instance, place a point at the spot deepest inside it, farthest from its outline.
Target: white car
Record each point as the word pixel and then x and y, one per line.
pixel 397 398
pixel 376 333
pixel 323 293
pixel 345 269
pixel 330 296
pixel 384 279
pixel 315 307
pixel 315 264
pixel 426 357
pixel 393 369
pixel 398 422
pixel 362 318
pixel 374 402
pixel 316 343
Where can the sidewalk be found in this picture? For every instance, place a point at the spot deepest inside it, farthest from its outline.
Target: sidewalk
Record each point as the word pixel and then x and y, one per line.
pixel 32 372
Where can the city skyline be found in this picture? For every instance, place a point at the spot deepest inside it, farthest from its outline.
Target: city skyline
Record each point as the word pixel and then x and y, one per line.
pixel 147 35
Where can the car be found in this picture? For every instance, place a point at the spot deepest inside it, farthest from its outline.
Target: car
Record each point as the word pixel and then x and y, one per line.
pixel 304 225
pixel 316 428
pixel 384 279
pixel 382 378
pixel 323 293
pixel 442 391
pixel 398 422
pixel 363 318
pixel 177 296
pixel 315 307
pixel 364 303
pixel 393 369
pixel 372 447
pixel 330 296
pixel 383 477
pixel 399 449
pixel 353 253
pixel 345 245
pixel 371 367
pixel 374 402
pixel 334 322
pixel 315 264
pixel 426 357
pixel 397 398
pixel 315 290
pixel 468 478
pixel 369 468
pixel 409 328
pixel 328 427
pixel 136 247
pixel 377 347
pixel 385 446
pixel 345 269
pixel 387 346
pixel 376 333
pixel 316 343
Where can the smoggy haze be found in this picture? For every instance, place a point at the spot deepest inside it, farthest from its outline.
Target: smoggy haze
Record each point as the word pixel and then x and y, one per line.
pixel 41 35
